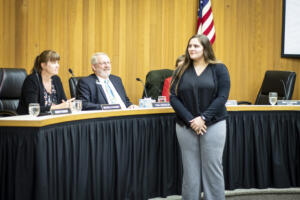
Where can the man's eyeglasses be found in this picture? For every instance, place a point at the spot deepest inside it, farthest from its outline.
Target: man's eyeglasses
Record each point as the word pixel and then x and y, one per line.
pixel 104 63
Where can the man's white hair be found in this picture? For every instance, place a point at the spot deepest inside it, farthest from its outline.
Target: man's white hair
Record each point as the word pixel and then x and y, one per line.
pixel 94 59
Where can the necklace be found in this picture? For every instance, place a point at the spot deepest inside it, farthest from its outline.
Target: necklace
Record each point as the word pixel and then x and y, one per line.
pixel 48 86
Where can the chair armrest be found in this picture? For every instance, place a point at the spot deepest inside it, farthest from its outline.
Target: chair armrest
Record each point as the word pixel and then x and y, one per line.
pixel 7 113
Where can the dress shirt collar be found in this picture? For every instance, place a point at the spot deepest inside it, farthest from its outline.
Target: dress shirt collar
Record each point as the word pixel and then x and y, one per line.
pixel 102 80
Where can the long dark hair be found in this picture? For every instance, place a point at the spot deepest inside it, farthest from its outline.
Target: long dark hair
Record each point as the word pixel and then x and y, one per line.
pixel 44 57
pixel 208 54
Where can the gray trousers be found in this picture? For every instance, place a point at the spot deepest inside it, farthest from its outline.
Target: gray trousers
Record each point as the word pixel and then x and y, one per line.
pixel 202 162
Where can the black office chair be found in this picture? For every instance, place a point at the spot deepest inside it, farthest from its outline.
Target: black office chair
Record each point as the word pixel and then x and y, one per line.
pixel 73 81
pixel 281 82
pixel 155 82
pixel 11 82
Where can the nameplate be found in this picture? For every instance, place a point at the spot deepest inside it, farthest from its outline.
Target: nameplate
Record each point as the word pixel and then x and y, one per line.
pixel 231 103
pixel 61 111
pixel 288 102
pixel 110 106
pixel 160 104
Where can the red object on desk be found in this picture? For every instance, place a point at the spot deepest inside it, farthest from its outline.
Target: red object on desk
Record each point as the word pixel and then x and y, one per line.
pixel 166 88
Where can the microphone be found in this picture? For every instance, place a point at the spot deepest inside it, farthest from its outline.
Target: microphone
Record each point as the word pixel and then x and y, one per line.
pixel 71 72
pixel 138 79
pixel 284 89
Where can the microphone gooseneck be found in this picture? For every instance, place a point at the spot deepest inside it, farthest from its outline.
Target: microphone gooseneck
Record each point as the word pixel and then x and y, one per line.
pixel 138 79
pixel 71 71
pixel 284 89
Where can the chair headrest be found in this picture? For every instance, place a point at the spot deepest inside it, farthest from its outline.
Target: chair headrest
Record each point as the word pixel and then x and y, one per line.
pixel 278 81
pixel 11 81
pixel 158 76
pixel 73 81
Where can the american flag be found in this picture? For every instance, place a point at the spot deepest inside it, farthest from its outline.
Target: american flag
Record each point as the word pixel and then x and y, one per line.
pixel 205 20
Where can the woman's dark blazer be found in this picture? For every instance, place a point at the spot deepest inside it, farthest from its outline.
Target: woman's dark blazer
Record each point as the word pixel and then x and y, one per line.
pixel 33 92
pixel 216 111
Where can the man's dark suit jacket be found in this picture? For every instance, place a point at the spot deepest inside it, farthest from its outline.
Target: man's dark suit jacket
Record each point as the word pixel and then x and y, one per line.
pixel 92 94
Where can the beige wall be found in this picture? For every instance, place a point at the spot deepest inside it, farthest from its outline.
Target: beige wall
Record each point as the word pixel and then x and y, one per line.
pixel 140 35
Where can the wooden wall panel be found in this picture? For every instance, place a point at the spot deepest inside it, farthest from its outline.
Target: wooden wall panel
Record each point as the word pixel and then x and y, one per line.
pixel 249 43
pixel 143 35
pixel 8 33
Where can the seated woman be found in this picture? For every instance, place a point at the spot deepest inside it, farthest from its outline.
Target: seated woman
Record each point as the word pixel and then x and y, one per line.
pixel 43 86
pixel 166 88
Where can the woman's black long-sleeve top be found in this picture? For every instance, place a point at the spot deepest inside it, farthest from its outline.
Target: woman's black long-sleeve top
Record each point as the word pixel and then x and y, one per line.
pixel 203 95
pixel 33 92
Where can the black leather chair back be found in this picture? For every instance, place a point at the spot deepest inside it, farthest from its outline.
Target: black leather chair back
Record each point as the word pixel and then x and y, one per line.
pixel 281 82
pixel 155 82
pixel 73 84
pixel 11 82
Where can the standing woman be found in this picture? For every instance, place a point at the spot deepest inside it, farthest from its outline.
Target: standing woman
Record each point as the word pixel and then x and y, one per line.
pixel 199 91
pixel 43 86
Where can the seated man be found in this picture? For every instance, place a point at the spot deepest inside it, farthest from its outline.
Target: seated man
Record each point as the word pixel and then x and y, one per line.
pixel 102 87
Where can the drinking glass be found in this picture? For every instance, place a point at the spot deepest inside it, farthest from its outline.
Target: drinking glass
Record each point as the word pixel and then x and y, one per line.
pixel 273 98
pixel 34 109
pixel 142 103
pixel 161 99
pixel 77 105
pixel 148 102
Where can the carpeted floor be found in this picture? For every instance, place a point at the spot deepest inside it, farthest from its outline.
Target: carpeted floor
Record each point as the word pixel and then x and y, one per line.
pixel 254 194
